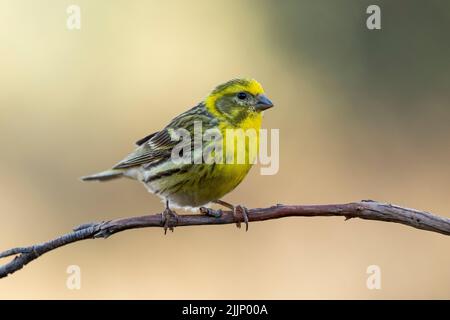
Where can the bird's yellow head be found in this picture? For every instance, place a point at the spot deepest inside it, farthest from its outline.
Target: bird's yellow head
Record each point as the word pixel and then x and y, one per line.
pixel 238 100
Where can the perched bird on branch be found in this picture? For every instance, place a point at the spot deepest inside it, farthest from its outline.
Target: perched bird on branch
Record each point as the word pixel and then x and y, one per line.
pixel 236 104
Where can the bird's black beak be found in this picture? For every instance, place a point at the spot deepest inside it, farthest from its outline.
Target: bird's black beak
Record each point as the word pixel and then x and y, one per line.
pixel 263 102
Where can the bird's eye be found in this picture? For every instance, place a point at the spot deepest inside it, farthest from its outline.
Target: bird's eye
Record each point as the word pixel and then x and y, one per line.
pixel 242 96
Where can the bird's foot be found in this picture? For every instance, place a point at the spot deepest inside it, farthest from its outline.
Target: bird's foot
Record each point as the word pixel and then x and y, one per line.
pixel 240 213
pixel 211 212
pixel 169 219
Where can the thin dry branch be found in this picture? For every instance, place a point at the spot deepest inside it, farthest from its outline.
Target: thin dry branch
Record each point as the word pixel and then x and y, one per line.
pixel 366 209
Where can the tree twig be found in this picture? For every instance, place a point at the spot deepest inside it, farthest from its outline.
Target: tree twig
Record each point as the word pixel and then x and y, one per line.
pixel 366 209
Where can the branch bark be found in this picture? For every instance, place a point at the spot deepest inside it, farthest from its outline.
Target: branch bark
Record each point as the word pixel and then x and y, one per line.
pixel 366 209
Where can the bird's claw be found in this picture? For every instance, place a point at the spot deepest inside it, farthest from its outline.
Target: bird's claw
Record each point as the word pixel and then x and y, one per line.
pixel 236 210
pixel 167 216
pixel 244 212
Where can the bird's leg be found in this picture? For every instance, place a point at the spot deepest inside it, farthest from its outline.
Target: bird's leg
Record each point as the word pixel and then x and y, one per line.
pixel 241 209
pixel 166 216
pixel 211 212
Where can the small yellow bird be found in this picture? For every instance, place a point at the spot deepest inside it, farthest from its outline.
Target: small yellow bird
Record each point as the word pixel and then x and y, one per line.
pixel 236 104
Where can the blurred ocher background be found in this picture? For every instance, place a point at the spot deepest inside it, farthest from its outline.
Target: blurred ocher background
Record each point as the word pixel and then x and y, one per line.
pixel 362 115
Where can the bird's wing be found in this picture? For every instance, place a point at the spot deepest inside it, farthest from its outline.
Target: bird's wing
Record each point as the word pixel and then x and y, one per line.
pixel 153 149
pixel 158 146
pixel 145 139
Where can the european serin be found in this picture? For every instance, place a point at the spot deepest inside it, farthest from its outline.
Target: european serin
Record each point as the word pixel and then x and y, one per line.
pixel 236 104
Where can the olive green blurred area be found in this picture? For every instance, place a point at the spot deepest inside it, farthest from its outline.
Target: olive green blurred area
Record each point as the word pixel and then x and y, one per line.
pixel 362 114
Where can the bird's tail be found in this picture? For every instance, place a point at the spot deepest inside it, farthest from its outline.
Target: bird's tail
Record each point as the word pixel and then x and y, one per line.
pixel 104 175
